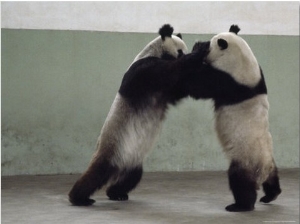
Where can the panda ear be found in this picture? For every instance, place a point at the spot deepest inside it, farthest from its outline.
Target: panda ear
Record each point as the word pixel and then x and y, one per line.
pixel 165 31
pixel 222 44
pixel 179 35
pixel 234 29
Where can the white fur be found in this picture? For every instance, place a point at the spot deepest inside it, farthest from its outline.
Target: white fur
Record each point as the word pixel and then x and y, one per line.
pixel 156 47
pixel 237 60
pixel 138 140
pixel 129 135
pixel 172 45
pixel 243 130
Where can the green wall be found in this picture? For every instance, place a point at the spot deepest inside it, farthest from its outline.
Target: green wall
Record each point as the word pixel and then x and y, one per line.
pixel 58 86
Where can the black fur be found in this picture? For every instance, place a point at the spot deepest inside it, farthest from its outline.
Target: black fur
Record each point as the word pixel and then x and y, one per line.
pixel 92 180
pixel 165 31
pixel 271 187
pixel 164 80
pixel 167 56
pixel 220 86
pixel 234 29
pixel 128 181
pixel 231 92
pixel 201 47
pixel 145 79
pixel 97 176
pixel 243 188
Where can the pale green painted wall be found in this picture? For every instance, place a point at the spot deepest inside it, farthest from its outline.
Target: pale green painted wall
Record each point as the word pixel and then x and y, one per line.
pixel 58 86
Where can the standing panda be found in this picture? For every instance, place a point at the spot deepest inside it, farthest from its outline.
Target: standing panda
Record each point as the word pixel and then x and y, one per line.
pixel 233 79
pixel 134 121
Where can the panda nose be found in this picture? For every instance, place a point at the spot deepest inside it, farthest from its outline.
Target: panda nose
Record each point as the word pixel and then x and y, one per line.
pixel 180 53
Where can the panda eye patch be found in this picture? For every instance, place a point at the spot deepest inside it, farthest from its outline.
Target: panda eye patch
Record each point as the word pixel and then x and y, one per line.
pixel 222 44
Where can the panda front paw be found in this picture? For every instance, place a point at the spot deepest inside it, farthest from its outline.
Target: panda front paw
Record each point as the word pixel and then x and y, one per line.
pixel 201 49
pixel 202 52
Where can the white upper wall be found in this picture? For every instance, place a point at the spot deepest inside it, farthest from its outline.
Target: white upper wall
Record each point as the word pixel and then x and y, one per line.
pixel 266 18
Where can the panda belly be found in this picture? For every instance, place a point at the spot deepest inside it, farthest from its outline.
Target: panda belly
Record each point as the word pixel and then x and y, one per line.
pixel 138 138
pixel 129 134
pixel 243 132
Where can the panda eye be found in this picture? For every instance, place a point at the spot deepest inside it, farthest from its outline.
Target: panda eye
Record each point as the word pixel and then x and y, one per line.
pixel 222 44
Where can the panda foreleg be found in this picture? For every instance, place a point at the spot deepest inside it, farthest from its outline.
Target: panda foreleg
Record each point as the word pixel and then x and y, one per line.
pixel 243 188
pixel 93 179
pixel 271 187
pixel 127 180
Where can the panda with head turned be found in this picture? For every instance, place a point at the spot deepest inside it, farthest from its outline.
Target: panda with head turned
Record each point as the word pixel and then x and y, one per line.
pixel 165 46
pixel 232 77
pixel 134 120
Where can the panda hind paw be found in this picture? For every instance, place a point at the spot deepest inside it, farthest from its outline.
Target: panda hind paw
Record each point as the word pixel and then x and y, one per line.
pixel 238 208
pixel 118 197
pixel 85 202
pixel 267 199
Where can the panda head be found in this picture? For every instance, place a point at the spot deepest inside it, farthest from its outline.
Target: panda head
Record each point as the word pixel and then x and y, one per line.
pixel 230 53
pixel 167 45
pixel 172 46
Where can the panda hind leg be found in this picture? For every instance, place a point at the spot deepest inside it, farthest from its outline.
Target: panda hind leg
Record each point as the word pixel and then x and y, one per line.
pixel 92 180
pixel 271 187
pixel 127 180
pixel 243 188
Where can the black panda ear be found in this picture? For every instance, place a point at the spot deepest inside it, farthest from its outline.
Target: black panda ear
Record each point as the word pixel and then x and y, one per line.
pixel 165 31
pixel 222 44
pixel 234 29
pixel 179 35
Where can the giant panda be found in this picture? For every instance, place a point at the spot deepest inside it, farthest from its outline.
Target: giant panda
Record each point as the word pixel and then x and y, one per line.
pixel 232 77
pixel 135 119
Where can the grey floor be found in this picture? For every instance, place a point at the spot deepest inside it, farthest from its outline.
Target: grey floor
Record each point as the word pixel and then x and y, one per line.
pixel 189 197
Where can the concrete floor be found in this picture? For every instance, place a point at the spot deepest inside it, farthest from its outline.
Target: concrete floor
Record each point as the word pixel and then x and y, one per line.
pixel 189 197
